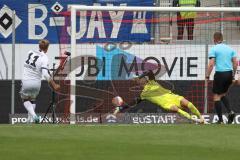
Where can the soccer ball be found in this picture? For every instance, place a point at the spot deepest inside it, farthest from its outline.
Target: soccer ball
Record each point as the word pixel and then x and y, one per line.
pixel 117 101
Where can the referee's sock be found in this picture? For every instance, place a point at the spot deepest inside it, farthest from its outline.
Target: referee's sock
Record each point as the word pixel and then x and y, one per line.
pixel 226 104
pixel 218 108
pixel 29 108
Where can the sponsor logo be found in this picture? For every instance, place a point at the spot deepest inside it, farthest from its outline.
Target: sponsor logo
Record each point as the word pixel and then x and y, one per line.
pixel 154 119
pixel 212 118
pixel 57 7
pixel 111 118
pixel 87 119
pixel 23 119
pixel 16 120
pixel 6 21
pixel 123 118
pixel 45 21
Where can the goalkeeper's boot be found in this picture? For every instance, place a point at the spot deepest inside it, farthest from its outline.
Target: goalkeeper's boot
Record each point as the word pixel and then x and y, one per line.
pixel 231 117
pixel 202 121
pixel 196 120
pixel 37 120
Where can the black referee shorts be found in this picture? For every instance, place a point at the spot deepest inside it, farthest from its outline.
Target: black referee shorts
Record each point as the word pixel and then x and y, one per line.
pixel 222 81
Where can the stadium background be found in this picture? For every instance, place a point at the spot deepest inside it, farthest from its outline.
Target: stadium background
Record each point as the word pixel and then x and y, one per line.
pixel 188 80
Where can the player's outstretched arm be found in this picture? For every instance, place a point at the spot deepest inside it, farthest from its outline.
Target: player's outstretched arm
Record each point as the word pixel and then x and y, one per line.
pixel 124 106
pixel 235 65
pixel 46 75
pixel 211 65
pixel 55 86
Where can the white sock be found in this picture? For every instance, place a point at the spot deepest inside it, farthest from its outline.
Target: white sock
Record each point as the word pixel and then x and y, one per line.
pixel 29 107
pixel 29 119
pixel 34 106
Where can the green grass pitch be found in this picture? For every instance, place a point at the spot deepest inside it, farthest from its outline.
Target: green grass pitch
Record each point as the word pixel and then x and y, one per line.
pixel 120 142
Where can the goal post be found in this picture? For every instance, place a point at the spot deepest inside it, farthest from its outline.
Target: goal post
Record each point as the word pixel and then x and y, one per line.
pixel 72 70
pixel 184 48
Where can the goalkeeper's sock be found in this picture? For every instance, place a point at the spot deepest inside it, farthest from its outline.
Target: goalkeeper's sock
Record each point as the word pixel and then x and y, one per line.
pixel 194 110
pixel 184 114
pixel 29 107
pixel 218 108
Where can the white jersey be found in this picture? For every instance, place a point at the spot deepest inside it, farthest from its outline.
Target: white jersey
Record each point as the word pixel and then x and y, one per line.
pixel 34 64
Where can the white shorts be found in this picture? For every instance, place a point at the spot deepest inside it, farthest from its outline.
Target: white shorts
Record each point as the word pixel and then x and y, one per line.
pixel 30 89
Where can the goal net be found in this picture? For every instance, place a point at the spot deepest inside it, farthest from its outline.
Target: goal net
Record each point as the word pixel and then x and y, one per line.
pixel 110 45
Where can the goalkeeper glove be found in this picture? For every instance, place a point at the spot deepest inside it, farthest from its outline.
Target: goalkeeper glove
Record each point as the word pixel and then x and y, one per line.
pixel 117 109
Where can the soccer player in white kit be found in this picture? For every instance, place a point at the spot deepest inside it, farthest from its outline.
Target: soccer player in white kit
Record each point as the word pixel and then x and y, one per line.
pixel 35 66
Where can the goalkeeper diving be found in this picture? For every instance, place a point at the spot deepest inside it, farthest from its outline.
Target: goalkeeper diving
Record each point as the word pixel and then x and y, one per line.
pixel 154 92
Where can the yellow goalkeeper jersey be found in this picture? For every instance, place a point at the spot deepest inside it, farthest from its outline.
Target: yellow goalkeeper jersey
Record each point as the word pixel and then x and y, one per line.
pixel 153 89
pixel 160 96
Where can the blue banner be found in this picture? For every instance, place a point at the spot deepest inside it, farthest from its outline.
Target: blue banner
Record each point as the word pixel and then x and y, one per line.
pixel 44 19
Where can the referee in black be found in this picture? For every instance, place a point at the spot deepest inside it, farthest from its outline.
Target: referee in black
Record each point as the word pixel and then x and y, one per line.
pixel 224 58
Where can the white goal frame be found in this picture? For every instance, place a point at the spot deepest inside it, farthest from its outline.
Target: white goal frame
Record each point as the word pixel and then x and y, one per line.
pixel 75 8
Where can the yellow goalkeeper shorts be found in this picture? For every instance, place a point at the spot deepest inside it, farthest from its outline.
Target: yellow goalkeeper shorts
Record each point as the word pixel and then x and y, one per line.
pixel 167 100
